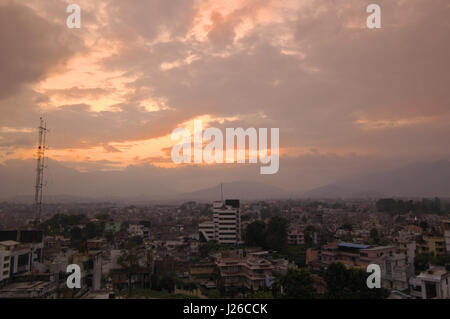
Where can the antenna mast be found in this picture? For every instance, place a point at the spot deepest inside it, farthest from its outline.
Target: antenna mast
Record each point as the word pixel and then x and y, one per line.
pixel 40 171
pixel 221 192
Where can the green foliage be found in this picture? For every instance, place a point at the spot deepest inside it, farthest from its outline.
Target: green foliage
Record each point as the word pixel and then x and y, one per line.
pixel 60 224
pixel 94 230
pixel 214 294
pixel 124 227
pixel 261 294
pixel 343 283
pixel 298 284
pixel 296 254
pixel 155 294
pixel 271 236
pixel 137 240
pixel 165 282
pixel 255 234
pixel 129 260
pixel 109 237
pixel 422 262
pixel 347 227
pixel 206 248
pixel 424 225
pixel 277 233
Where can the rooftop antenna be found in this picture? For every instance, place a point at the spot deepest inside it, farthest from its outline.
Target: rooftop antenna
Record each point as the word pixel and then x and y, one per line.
pixel 40 171
pixel 221 192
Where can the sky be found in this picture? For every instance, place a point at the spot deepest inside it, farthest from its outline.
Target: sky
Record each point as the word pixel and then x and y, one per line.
pixel 348 100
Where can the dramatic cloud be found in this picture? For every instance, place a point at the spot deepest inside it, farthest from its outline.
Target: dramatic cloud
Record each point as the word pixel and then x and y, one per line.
pixel 113 90
pixel 32 47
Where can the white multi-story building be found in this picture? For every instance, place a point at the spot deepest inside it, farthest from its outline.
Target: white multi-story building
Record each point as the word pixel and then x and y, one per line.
pixel 226 225
pixel 206 231
pixel 433 283
pixel 18 257
pixel 5 259
pixel 138 230
pixel 227 221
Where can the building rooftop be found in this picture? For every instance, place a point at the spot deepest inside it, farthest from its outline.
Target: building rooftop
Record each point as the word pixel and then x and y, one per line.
pixel 8 243
pixel 351 245
pixel 433 273
pixel 379 247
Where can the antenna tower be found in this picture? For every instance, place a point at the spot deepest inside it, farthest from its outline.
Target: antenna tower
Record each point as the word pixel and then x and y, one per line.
pixel 40 171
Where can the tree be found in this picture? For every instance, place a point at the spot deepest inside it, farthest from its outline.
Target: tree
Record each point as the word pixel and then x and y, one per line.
pixel 298 284
pixel 297 254
pixel 109 237
pixel 262 294
pixel 167 282
pixel 206 248
pixel 277 233
pixel 336 278
pixel 138 240
pixel 347 227
pixel 76 234
pixel 93 230
pixel 129 261
pixel 374 236
pixel 422 262
pixel 343 283
pixel 255 234
pixel 124 227
pixel 424 225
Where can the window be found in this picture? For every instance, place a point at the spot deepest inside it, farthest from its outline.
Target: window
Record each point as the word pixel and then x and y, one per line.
pixel 23 260
pixel 430 289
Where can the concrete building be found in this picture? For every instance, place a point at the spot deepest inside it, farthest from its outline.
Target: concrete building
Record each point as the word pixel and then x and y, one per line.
pixel 226 225
pixel 112 226
pixel 202 273
pixel 96 244
pixel 206 231
pixel 138 230
pixel 30 290
pixel 353 255
pixel 90 263
pixel 396 270
pixel 446 231
pixel 434 245
pixel 227 221
pixel 17 258
pixel 250 272
pixel 295 237
pixel 433 283
pixel 5 258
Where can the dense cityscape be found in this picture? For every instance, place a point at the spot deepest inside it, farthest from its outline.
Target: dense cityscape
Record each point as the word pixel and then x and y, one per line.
pixel 224 158
pixel 303 248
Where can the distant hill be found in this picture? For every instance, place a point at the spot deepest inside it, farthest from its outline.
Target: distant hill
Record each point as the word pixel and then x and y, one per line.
pixel 244 190
pixel 414 180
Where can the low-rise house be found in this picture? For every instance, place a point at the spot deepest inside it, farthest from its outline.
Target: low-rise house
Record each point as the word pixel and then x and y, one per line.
pixel 295 237
pixel 433 283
